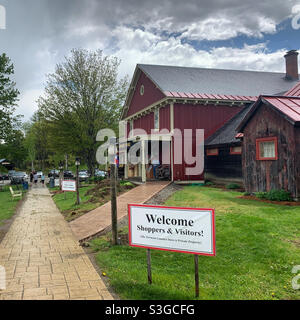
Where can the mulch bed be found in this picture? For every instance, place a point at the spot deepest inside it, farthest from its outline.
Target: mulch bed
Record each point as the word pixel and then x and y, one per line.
pixel 282 203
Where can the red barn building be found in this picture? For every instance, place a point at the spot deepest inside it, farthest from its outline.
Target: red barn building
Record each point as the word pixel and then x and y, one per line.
pixel 166 97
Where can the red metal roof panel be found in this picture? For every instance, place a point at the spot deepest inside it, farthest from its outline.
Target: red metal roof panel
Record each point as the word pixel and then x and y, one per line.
pixel 288 106
pixel 294 92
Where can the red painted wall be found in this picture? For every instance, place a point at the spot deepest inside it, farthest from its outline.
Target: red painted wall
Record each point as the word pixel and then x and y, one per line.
pixel 145 122
pixel 150 96
pixel 164 118
pixel 209 117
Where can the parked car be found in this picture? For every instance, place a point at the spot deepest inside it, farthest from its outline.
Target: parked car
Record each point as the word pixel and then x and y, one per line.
pixel 83 175
pixel 53 173
pixel 39 174
pixel 100 173
pixel 4 176
pixel 68 174
pixel 18 177
pixel 10 173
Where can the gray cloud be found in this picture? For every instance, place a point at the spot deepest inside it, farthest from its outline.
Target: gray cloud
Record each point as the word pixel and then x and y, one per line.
pixel 41 32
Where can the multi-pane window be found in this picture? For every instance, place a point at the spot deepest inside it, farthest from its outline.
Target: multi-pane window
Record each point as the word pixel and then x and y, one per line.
pixel 236 150
pixel 212 152
pixel 266 149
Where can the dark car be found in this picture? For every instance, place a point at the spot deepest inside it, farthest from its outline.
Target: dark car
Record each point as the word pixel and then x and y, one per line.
pixel 18 177
pixel 4 176
pixel 68 174
pixel 53 174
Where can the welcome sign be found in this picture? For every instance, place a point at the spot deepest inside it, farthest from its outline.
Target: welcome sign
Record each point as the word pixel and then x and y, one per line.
pixel 189 230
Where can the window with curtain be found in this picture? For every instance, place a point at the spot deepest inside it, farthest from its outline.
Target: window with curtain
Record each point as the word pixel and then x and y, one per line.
pixel 266 149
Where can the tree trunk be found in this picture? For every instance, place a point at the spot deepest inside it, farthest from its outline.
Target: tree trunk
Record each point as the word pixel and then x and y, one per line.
pixel 91 162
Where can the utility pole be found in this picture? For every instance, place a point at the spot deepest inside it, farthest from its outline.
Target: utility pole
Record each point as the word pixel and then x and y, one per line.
pixel 77 164
pixel 113 192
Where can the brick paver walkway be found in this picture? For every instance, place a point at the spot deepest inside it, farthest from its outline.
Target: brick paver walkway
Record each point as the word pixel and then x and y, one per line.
pixel 42 258
pixel 99 219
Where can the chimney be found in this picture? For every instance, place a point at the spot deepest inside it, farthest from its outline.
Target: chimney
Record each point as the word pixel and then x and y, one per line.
pixel 291 61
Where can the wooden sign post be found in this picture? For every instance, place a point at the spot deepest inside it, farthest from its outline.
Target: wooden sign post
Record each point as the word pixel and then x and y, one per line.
pixel 149 266
pixel 196 275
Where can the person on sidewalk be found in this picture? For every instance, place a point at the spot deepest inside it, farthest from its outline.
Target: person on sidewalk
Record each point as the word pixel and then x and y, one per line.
pixel 31 177
pixel 35 178
pixel 43 179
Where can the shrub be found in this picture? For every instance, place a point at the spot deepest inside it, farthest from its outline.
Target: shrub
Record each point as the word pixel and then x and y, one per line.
pixel 233 186
pixel 274 195
pixel 209 183
pixel 261 195
pixel 279 195
pixel 247 194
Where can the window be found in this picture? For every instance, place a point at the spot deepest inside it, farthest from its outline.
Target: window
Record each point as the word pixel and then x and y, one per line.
pixel 156 119
pixel 142 90
pixel 212 152
pixel 266 148
pixel 236 150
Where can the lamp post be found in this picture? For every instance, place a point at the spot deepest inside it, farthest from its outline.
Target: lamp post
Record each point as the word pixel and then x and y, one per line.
pixel 61 167
pixel 77 164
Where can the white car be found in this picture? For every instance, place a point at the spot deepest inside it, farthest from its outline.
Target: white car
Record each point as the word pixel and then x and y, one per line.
pixel 39 174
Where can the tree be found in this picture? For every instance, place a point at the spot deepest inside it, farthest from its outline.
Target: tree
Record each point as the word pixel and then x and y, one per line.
pixel 83 96
pixel 8 96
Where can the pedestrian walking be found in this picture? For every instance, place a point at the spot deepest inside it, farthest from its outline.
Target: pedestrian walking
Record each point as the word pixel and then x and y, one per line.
pixel 31 177
pixel 43 179
pixel 35 178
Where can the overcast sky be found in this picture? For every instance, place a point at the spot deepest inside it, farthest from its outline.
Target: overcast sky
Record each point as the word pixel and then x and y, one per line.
pixel 248 35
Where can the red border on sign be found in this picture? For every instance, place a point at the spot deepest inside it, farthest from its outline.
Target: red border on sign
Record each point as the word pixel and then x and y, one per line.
pixel 182 208
pixel 68 190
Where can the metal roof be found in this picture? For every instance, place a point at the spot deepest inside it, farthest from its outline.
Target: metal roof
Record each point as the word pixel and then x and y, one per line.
pixel 288 107
pixel 228 133
pixel 294 92
pixel 175 79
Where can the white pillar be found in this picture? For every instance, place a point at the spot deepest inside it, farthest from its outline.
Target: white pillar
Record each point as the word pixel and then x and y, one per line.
pixel 143 162
pixel 126 171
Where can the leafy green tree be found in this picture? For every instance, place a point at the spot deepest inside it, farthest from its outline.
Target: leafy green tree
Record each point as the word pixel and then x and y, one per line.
pixel 8 96
pixel 83 96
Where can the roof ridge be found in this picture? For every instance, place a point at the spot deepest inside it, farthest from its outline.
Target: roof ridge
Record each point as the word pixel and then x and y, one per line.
pixel 203 68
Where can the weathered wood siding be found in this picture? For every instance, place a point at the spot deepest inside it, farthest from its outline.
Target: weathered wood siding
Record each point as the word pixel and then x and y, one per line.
pixel 265 175
pixel 224 165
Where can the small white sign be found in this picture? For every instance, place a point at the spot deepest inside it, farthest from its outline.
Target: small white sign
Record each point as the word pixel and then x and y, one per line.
pixel 56 183
pixel 189 230
pixel 69 185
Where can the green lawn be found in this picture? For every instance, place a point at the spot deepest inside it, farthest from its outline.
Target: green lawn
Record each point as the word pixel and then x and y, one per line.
pixel 7 205
pixel 68 205
pixel 257 247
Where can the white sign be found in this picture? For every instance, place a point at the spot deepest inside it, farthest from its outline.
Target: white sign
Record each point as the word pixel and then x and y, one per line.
pixel 69 185
pixel 188 230
pixel 2 17
pixel 56 183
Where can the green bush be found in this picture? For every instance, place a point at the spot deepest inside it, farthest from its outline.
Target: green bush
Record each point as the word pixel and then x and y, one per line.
pixel 279 195
pixel 209 183
pixel 247 193
pixel 275 195
pixel 96 179
pixel 233 186
pixel 261 195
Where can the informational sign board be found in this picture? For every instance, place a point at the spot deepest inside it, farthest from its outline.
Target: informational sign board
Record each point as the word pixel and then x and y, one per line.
pixel 69 185
pixel 56 183
pixel 189 230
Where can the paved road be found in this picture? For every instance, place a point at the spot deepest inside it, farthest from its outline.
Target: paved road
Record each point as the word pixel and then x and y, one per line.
pixel 42 258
